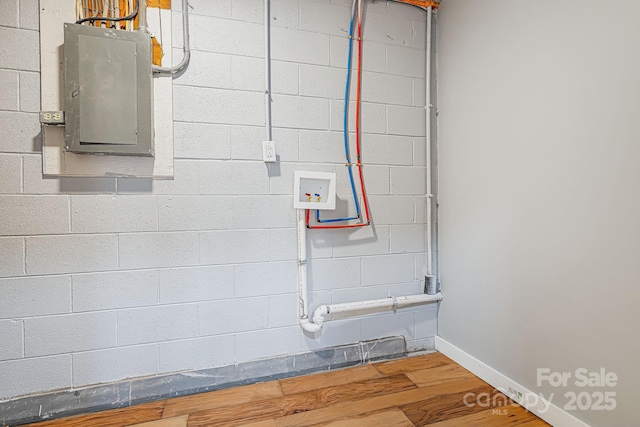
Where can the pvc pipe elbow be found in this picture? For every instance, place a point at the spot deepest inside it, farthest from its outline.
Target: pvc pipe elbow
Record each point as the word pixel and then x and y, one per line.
pixel 310 326
pixel 315 324
pixel 318 315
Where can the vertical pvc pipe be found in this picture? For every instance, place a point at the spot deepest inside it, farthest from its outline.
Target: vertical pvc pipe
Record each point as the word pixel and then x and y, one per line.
pixel 267 69
pixel 303 305
pixel 303 309
pixel 431 287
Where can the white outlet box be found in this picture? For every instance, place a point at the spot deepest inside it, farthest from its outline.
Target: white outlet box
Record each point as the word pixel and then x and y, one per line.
pixel 314 190
pixel 268 151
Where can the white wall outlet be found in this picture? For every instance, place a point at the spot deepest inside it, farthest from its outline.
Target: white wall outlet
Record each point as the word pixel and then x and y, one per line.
pixel 52 117
pixel 268 151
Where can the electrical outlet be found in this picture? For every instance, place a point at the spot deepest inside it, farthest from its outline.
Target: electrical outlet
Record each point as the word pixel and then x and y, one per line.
pixel 52 117
pixel 268 151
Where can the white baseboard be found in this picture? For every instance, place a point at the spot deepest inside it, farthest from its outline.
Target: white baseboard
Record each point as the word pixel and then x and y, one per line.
pixel 526 398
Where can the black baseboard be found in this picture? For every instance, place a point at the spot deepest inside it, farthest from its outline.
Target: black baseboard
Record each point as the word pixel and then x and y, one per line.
pixel 130 392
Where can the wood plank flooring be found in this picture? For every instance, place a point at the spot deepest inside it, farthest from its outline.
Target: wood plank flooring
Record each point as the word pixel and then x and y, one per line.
pixel 417 391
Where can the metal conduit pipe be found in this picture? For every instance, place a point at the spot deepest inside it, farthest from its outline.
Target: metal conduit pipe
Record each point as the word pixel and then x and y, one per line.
pixel 142 16
pixel 431 281
pixel 185 40
pixel 430 278
pixel 267 70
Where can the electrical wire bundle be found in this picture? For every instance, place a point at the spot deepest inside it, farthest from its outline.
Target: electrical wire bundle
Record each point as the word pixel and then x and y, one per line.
pixel 118 14
pixel 356 10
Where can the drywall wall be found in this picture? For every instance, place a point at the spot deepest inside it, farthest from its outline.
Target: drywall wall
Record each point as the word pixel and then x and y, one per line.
pixel 105 278
pixel 538 129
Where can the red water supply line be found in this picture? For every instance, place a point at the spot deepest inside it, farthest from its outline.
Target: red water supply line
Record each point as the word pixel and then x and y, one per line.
pixel 358 105
pixel 365 202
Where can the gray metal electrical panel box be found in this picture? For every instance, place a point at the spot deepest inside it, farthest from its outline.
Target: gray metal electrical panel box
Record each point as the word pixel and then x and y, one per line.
pixel 108 91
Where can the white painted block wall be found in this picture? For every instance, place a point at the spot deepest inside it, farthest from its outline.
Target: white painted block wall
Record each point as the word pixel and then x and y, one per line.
pixel 103 279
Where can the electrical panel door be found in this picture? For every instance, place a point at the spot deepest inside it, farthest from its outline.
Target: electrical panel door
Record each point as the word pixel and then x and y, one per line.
pixel 108 91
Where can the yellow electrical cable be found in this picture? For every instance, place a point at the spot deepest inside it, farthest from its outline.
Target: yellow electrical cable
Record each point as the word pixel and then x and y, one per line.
pixel 420 3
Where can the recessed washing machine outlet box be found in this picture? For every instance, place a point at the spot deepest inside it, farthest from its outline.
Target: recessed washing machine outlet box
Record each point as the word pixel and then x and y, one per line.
pixel 314 190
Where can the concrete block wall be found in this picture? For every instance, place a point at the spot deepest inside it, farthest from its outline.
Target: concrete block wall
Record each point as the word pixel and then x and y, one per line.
pixel 103 279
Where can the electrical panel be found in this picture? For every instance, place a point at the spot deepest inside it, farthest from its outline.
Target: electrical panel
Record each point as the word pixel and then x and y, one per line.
pixel 108 91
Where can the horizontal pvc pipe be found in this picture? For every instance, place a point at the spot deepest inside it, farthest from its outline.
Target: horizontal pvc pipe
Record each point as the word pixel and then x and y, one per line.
pixel 390 302
pixel 383 302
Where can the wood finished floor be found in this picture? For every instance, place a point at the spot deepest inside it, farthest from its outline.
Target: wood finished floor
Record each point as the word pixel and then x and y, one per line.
pixel 417 391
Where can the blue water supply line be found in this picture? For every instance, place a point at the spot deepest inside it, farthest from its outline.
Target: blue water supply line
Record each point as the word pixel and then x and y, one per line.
pixel 346 130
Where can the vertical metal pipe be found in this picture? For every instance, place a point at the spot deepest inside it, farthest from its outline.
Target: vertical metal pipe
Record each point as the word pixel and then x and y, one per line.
pixel 186 47
pixel 142 16
pixel 430 280
pixel 267 69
